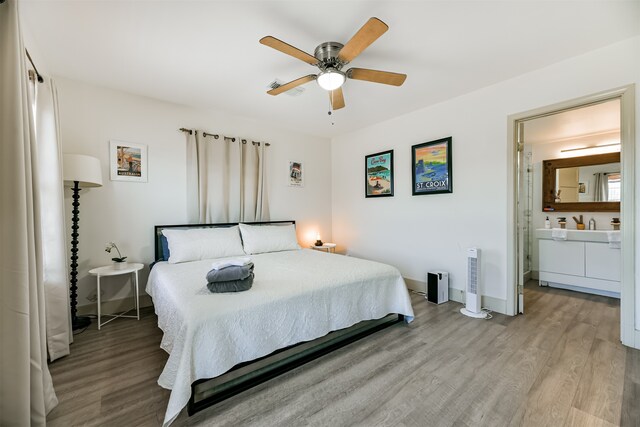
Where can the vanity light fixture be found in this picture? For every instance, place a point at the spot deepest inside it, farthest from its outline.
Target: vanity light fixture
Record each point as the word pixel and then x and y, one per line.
pixel 590 147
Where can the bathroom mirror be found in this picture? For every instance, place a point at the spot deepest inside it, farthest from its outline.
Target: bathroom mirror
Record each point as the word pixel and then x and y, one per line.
pixel 582 184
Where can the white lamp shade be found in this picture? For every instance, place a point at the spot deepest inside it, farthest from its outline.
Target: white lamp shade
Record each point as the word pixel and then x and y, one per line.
pixel 84 169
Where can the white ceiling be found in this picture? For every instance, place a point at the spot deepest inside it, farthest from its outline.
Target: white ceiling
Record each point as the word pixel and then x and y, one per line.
pixel 206 53
pixel 599 119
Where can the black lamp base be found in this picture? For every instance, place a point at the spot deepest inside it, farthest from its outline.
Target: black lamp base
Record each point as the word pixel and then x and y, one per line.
pixel 80 322
pixel 318 242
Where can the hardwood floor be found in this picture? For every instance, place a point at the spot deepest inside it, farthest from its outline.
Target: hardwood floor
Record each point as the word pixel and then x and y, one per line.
pixel 561 364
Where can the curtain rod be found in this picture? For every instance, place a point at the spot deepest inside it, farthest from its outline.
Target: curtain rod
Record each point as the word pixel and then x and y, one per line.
pixel 215 136
pixel 40 79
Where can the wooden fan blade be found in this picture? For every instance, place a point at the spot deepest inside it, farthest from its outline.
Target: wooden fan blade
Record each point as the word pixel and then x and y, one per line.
pixel 336 97
pixel 288 49
pixel 366 35
pixel 297 82
pixel 376 76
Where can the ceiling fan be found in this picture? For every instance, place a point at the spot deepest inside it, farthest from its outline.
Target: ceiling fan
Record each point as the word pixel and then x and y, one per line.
pixel 331 57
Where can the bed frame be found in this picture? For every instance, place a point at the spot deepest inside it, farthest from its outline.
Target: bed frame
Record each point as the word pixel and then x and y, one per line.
pixel 208 392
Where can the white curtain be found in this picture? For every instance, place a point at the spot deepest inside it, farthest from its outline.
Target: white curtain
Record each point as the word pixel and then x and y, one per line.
pixel 51 192
pixel 193 191
pixel 601 187
pixel 226 179
pixel 253 195
pixel 26 389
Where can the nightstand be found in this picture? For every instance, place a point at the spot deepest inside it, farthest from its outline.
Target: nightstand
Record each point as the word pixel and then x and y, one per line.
pixel 110 270
pixel 327 247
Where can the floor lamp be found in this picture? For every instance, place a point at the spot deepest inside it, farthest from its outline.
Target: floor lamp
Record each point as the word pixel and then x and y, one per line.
pixel 79 172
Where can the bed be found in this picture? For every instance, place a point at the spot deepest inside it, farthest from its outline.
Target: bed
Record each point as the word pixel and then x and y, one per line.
pixel 303 304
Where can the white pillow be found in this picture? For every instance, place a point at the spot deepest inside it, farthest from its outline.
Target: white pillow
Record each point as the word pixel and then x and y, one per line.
pixel 203 243
pixel 258 239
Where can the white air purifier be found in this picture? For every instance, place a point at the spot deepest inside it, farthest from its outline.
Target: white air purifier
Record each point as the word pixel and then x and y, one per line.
pixel 473 307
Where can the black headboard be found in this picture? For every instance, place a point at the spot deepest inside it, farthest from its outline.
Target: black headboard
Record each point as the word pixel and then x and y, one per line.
pixel 158 230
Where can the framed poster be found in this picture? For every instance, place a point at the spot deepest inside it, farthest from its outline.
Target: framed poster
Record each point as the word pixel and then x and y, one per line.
pixel 128 161
pixel 296 174
pixel 583 187
pixel 432 169
pixel 379 174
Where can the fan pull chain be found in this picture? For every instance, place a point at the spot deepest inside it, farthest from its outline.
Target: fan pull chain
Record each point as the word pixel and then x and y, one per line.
pixel 330 112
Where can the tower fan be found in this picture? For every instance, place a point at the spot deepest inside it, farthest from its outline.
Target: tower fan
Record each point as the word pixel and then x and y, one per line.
pixel 473 307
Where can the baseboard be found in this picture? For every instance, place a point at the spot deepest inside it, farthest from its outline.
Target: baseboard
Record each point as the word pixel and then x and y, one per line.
pixel 114 305
pixel 584 290
pixel 416 285
pixel 494 304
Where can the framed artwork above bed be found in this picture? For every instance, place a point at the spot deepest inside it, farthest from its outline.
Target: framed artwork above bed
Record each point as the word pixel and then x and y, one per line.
pixel 128 161
pixel 432 167
pixel 379 174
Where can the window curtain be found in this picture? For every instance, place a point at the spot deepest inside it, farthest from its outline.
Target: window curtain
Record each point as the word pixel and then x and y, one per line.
pixel 26 389
pixel 51 192
pixel 225 179
pixel 253 195
pixel 601 187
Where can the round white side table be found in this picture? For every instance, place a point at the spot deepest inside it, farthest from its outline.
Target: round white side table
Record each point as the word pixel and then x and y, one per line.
pixel 109 270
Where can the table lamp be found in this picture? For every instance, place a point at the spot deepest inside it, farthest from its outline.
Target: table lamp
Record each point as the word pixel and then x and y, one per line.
pixel 79 172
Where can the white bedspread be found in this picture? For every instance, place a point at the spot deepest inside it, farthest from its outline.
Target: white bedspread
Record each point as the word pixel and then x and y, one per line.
pixel 296 296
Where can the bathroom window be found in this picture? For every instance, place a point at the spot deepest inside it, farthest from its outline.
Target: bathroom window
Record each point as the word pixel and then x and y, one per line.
pixel 613 185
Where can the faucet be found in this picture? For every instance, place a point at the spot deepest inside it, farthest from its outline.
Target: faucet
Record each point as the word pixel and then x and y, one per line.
pixel 592 224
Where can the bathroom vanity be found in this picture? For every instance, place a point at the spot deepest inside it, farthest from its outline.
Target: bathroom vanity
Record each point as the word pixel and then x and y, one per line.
pixel 584 262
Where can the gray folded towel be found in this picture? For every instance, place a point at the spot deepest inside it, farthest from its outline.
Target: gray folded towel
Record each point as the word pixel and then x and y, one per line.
pixel 231 285
pixel 227 274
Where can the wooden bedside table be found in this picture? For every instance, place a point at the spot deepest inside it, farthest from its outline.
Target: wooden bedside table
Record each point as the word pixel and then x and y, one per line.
pixel 109 270
pixel 327 247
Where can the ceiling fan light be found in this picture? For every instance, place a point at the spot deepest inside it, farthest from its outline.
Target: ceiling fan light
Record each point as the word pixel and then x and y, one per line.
pixel 331 79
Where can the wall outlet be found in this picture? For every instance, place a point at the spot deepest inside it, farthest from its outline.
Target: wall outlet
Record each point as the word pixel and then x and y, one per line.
pixel 93 296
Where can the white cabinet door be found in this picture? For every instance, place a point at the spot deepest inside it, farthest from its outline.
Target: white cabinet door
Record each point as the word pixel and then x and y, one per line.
pixel 562 257
pixel 602 262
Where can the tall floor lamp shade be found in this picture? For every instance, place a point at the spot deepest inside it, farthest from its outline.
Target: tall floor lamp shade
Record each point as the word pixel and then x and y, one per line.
pixel 79 172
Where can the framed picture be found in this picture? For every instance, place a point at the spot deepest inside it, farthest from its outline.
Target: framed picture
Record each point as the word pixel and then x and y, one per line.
pixel 583 187
pixel 128 161
pixel 296 174
pixel 432 169
pixel 379 174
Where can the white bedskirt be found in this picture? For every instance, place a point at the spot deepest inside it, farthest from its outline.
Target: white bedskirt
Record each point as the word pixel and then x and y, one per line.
pixel 296 296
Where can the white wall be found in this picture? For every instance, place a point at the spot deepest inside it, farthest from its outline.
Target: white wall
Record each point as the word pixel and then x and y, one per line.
pixel 421 233
pixel 126 212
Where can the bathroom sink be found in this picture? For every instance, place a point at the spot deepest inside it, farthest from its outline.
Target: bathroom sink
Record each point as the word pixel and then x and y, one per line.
pixel 580 235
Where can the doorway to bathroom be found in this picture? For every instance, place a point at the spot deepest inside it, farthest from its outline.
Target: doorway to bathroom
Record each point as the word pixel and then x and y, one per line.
pixel 573 186
pixel 573 157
